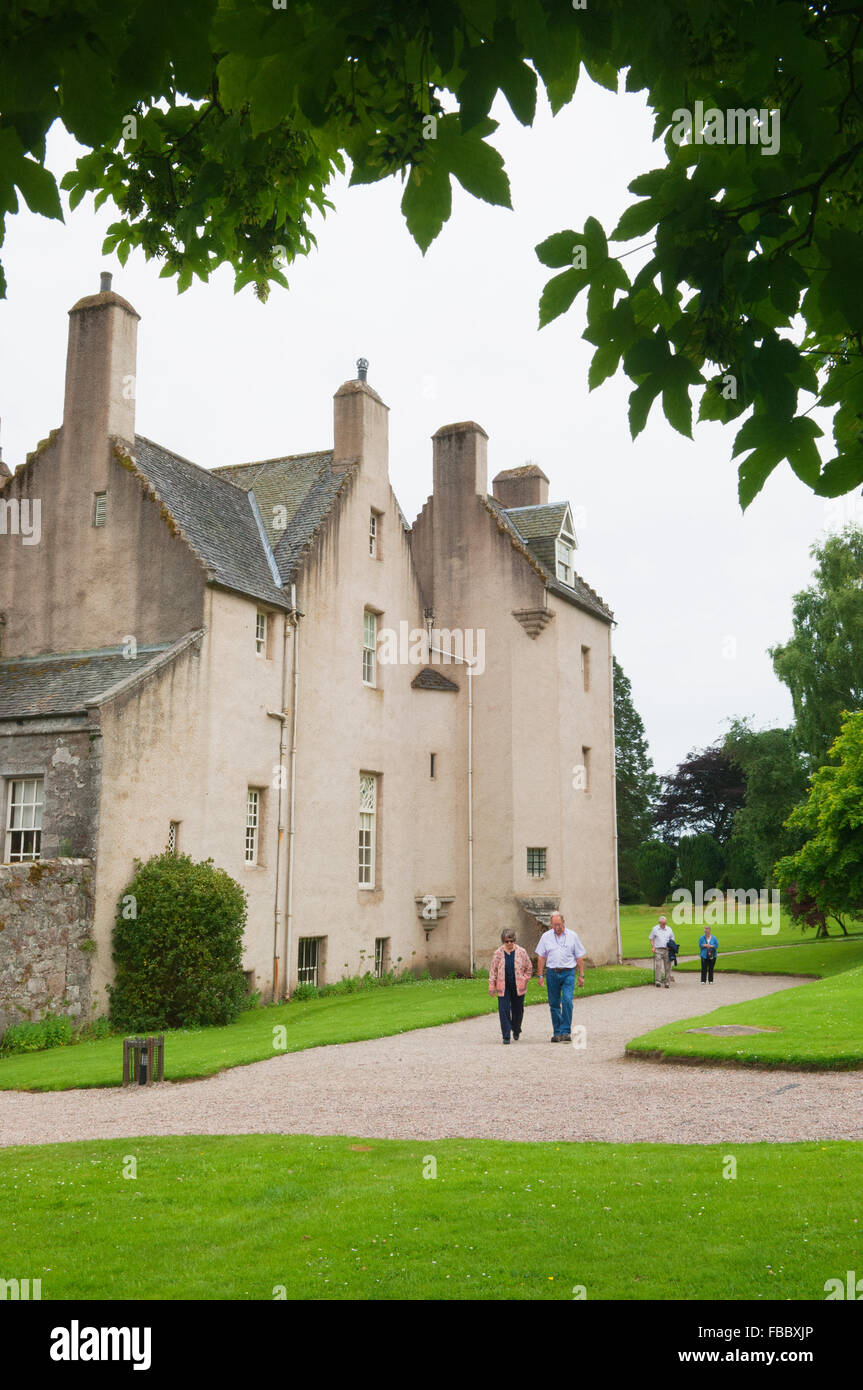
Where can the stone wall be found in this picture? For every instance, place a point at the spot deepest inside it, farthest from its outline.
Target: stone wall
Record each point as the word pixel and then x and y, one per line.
pixel 46 913
pixel 66 753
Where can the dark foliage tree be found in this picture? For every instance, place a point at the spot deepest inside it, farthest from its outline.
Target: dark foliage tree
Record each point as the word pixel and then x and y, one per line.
pixel 699 860
pixel 635 783
pixel 776 780
pixel 703 795
pixel 655 864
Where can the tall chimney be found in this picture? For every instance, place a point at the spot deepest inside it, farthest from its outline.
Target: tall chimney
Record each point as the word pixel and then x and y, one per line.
pixel 360 426
pixel 521 487
pixel 460 462
pixel 100 368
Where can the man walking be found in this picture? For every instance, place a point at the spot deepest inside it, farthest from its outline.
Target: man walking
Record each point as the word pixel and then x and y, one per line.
pixel 561 953
pixel 659 939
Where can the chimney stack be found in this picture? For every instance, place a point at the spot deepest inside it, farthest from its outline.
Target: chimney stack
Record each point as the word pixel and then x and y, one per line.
pixel 521 487
pixel 460 464
pixel 360 425
pixel 100 369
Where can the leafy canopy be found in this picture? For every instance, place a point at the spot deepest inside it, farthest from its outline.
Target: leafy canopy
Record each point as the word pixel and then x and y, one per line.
pixel 216 127
pixel 828 870
pixel 822 663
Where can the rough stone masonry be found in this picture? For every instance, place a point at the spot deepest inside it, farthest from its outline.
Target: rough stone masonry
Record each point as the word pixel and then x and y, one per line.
pixel 46 917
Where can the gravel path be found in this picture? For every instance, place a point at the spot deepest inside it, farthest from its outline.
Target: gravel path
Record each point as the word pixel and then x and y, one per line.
pixel 457 1080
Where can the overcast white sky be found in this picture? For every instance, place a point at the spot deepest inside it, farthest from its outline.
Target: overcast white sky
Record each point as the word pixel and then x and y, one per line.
pixel 699 591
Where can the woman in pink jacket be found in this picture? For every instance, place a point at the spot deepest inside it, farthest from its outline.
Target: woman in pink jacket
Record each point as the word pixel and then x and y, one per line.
pixel 508 975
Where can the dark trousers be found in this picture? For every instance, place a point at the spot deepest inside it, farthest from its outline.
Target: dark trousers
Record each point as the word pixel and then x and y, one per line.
pixel 510 1008
pixel 707 968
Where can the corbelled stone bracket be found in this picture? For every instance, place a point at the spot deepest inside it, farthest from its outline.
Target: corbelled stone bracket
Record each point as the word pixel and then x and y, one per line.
pixel 533 620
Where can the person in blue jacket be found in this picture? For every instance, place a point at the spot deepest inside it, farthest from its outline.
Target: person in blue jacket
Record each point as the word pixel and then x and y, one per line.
pixel 708 946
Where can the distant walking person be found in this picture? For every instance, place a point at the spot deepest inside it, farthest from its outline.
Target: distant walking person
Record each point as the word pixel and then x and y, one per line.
pixel 508 975
pixel 708 946
pixel 560 952
pixel 659 939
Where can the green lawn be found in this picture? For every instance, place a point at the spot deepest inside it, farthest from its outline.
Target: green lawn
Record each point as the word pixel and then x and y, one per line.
pixel 636 922
pixel 820 958
pixel 819 1024
pixel 374 1013
pixel 238 1217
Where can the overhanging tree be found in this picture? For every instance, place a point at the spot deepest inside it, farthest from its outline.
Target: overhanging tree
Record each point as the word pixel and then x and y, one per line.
pixel 216 127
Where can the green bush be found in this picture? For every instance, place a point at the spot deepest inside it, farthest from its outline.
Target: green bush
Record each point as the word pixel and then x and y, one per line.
pixel 700 860
pixel 54 1031
pixel 655 863
pixel 178 945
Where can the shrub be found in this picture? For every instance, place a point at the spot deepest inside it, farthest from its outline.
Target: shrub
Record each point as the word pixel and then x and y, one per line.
pixel 54 1031
pixel 700 860
pixel 655 863
pixel 179 958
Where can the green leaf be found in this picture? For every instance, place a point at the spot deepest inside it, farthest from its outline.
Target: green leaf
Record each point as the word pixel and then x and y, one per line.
pixel 39 188
pixel 556 250
pixel 426 203
pixel 558 294
pixel 477 165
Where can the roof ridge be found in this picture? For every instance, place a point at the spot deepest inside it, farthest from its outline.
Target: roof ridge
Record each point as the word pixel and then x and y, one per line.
pixel 277 458
pixel 96 651
pixel 181 458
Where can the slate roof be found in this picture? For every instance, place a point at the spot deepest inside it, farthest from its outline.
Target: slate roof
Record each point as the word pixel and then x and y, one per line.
pixel 533 532
pixel 540 521
pixel 63 682
pixel 305 485
pixel 216 518
pixel 430 679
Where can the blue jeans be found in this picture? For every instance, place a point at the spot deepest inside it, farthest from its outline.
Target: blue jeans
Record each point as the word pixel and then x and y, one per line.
pixel 560 987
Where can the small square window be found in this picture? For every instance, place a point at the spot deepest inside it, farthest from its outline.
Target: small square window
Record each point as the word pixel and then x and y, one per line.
pixel 100 508
pixel 261 634
pixel 536 863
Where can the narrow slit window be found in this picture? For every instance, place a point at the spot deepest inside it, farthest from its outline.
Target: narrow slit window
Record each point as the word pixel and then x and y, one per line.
pixel 261 634
pixel 253 825
pixel 585 666
pixel 432 765
pixel 373 535
pixel 367 829
pixel 370 644
pixel 173 837
pixel 100 508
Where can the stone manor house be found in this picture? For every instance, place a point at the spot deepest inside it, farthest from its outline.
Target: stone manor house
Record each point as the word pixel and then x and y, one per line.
pixel 398 739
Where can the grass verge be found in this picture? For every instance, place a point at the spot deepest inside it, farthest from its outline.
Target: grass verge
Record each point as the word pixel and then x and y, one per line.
pixel 818 1025
pixel 637 920
pixel 310 1023
pixel 246 1216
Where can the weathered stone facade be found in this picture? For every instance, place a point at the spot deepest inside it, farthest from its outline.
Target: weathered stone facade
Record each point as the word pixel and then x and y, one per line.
pixel 66 753
pixel 46 916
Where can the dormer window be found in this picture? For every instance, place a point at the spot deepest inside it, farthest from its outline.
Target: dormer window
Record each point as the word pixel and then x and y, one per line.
pixel 565 555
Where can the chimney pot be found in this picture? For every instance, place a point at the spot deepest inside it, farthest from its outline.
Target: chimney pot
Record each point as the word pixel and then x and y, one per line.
pixel 105 281
pixel 362 369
